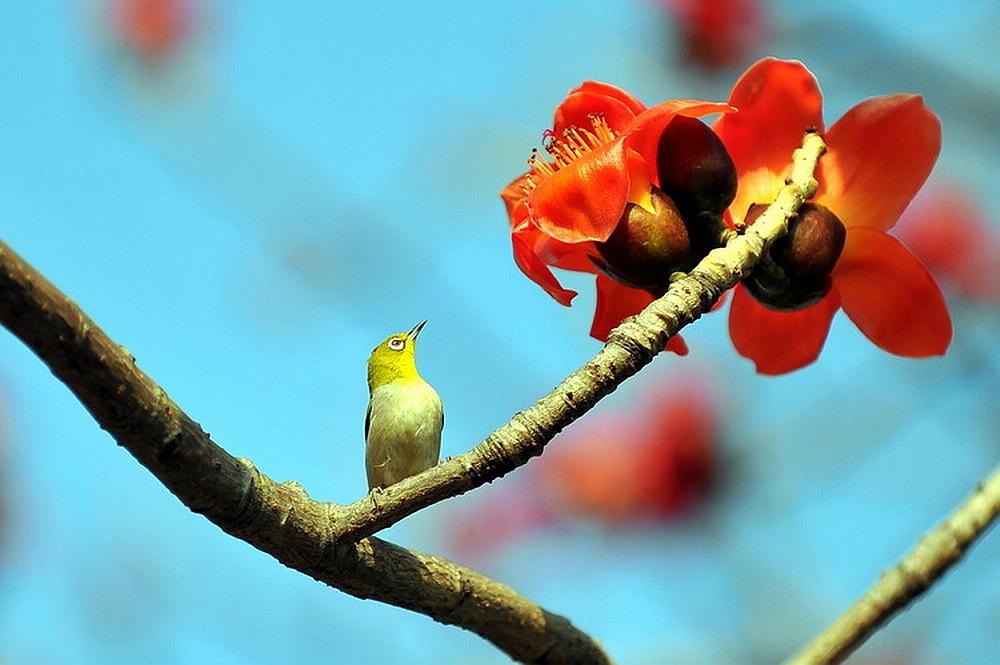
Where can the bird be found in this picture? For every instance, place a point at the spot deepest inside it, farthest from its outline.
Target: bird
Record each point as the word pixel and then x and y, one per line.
pixel 405 414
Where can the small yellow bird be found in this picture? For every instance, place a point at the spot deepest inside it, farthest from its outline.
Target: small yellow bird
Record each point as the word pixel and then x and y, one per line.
pixel 405 416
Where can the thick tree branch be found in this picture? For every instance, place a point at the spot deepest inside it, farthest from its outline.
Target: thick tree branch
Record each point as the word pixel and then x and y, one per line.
pixel 631 346
pixel 330 542
pixel 277 518
pixel 934 555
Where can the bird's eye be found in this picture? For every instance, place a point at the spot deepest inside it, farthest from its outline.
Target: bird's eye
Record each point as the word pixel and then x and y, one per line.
pixel 397 343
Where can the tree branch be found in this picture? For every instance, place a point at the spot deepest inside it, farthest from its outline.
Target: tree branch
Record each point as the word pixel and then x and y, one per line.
pixel 933 556
pixel 277 518
pixel 329 542
pixel 630 347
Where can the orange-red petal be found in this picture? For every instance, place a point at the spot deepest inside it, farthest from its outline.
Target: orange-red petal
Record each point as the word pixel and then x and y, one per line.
pixel 515 200
pixel 593 97
pixel 568 256
pixel 779 342
pixel 677 345
pixel 891 296
pixel 535 269
pixel 585 199
pixel 776 102
pixel 880 153
pixel 615 303
pixel 613 91
pixel 643 133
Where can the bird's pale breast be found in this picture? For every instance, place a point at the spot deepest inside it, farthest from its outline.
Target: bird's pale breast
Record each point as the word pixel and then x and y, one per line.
pixel 403 434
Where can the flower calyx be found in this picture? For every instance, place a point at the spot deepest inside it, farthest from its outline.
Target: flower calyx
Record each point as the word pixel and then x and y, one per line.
pixel 647 246
pixel 795 271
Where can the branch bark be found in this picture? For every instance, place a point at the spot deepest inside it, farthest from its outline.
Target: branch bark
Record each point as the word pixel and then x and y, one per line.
pixel 630 347
pixel 332 543
pixel 932 557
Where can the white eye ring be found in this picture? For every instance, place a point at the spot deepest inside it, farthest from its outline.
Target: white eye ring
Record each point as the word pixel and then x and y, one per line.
pixel 397 343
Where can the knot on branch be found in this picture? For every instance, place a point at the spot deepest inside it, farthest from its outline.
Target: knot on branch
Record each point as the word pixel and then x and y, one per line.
pixel 640 342
pixel 248 504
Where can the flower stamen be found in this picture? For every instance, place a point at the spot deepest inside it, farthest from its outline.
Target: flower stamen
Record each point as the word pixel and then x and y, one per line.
pixel 574 143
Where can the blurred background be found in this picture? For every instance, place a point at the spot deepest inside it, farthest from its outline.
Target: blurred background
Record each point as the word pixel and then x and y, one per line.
pixel 251 195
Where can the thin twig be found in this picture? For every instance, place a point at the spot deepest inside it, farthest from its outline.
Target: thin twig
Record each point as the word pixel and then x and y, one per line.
pixel 933 556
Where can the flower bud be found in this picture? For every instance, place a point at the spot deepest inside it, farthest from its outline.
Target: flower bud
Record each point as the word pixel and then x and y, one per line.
pixel 645 248
pixel 695 169
pixel 795 272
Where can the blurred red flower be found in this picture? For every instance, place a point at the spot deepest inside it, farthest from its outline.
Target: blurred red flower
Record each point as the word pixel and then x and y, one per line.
pixel 880 153
pixel 718 33
pixel 952 237
pixel 152 28
pixel 504 513
pixel 648 463
pixel 653 461
pixel 603 146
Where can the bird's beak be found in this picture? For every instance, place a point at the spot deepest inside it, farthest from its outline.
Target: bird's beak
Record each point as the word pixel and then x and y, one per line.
pixel 416 329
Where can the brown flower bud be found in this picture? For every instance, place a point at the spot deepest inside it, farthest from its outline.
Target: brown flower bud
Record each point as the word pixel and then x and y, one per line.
pixel 645 248
pixel 795 272
pixel 695 169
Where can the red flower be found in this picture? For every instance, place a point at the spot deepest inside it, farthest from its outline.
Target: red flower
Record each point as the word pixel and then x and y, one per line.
pixel 652 462
pixel 505 512
pixel 152 28
pixel 880 153
pixel 718 33
pixel 952 237
pixel 603 147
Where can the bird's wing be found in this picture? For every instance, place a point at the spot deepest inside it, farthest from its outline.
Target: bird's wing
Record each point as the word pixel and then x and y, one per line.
pixel 368 419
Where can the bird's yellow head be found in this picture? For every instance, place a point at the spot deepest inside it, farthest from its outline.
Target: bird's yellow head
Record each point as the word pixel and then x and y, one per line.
pixel 394 359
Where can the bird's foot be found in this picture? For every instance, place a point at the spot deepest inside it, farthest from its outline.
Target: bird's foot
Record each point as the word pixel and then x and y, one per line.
pixel 373 494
